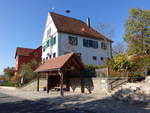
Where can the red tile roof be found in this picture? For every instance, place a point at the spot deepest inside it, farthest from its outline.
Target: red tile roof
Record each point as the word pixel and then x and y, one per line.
pixel 73 26
pixel 23 51
pixel 40 47
pixel 55 63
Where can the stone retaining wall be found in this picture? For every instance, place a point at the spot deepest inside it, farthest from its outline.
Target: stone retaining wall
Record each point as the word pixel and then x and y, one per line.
pixel 33 85
pixel 96 85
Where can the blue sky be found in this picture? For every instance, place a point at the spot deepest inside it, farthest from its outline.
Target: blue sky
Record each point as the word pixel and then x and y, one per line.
pixel 22 21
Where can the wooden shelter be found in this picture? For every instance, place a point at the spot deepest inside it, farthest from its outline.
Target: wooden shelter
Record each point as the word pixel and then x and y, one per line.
pixel 59 70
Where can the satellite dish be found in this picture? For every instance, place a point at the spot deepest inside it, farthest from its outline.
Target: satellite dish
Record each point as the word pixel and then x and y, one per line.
pixel 68 11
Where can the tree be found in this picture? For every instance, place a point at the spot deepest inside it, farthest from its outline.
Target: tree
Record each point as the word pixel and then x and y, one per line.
pixel 137 32
pixel 105 29
pixel 27 72
pixel 121 63
pixel 9 72
pixel 119 48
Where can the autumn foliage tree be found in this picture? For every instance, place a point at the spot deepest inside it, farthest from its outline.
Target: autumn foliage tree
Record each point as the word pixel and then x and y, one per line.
pixel 9 72
pixel 27 72
pixel 121 63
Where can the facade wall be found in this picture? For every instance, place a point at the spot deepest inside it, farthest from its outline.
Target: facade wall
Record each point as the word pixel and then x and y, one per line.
pixel 87 53
pixel 50 31
pixel 35 55
pixel 20 61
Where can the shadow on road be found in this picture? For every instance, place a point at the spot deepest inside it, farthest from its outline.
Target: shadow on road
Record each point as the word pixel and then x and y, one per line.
pixel 68 104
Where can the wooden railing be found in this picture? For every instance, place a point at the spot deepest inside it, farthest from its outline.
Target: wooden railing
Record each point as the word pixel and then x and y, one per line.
pixel 115 82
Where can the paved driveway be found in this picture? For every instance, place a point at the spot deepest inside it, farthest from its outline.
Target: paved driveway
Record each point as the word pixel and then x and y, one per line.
pixel 69 104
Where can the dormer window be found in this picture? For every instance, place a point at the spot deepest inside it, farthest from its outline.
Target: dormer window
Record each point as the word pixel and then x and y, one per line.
pixel 73 40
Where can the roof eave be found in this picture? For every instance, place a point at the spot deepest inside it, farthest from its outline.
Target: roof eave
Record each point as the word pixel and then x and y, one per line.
pixel 48 70
pixel 85 36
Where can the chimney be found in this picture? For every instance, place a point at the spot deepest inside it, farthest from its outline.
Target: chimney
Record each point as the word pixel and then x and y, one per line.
pixel 88 22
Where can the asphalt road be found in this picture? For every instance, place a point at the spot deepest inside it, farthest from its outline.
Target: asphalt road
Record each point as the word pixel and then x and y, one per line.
pixel 11 104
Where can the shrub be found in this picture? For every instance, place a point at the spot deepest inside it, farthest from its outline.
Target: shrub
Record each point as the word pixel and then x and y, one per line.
pixel 7 83
pixel 91 66
pixel 121 63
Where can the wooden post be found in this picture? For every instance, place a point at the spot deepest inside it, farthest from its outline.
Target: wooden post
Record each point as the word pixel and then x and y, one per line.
pixel 68 85
pixel 61 83
pixel 38 76
pixel 82 85
pixel 47 88
pixel 82 82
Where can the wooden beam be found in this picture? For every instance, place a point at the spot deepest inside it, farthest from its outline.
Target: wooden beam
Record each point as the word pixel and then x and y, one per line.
pixel 74 62
pixel 47 88
pixel 38 76
pixel 61 83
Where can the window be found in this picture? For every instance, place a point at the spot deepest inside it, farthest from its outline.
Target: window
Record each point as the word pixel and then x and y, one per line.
pixel 95 44
pixel 102 58
pixel 103 45
pixel 85 43
pixel 50 56
pixel 73 40
pixel 47 43
pixel 54 55
pixel 44 48
pixel 53 41
pixel 94 58
pixel 36 54
pixel 46 58
pixel 90 43
pixel 48 31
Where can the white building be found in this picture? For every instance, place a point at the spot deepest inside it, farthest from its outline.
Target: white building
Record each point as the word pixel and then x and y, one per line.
pixel 65 34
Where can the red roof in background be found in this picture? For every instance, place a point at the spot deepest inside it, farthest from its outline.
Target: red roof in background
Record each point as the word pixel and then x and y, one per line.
pixel 74 26
pixel 55 63
pixel 40 47
pixel 23 51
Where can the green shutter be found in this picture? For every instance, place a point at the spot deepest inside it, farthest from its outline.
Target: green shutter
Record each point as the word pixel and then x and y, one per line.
pixel 47 43
pixel 54 39
pixel 43 48
pixel 50 42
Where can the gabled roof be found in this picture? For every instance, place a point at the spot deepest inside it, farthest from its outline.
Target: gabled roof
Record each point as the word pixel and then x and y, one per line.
pixel 40 47
pixel 55 63
pixel 73 26
pixel 23 51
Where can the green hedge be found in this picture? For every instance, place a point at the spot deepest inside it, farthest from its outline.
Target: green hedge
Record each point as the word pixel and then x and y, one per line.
pixel 7 83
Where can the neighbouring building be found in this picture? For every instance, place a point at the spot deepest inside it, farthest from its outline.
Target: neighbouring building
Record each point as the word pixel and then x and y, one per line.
pixel 26 55
pixel 65 34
